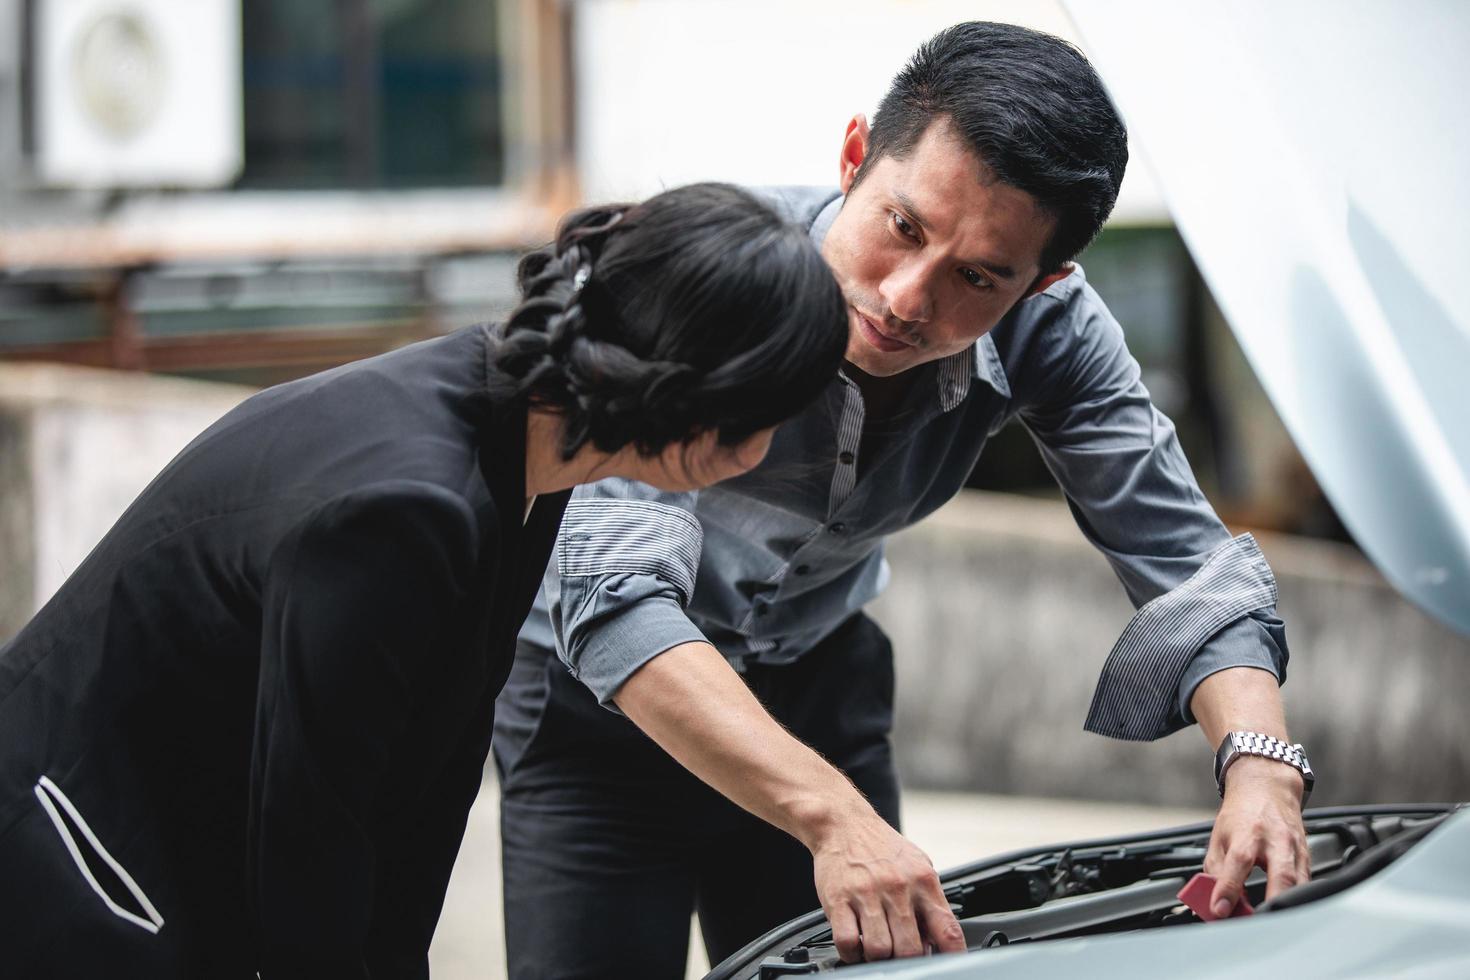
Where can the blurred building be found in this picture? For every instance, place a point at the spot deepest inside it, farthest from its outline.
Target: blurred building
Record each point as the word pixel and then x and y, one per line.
pixel 251 190
pixel 256 189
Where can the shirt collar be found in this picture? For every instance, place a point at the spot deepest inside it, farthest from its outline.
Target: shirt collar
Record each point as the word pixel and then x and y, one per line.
pixel 955 371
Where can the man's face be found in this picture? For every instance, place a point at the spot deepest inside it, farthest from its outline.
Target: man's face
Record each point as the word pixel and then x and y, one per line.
pixel 930 251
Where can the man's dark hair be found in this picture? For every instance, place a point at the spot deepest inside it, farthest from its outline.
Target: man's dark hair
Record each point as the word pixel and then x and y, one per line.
pixel 699 309
pixel 1030 106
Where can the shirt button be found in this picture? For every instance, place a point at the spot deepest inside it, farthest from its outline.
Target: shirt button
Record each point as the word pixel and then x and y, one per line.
pixel 837 528
pixel 803 569
pixel 845 458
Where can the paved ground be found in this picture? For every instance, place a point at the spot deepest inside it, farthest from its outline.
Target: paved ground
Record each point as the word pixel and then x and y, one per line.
pixel 952 828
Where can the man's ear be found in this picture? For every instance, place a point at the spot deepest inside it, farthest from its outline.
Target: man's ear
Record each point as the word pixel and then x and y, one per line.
pixel 854 150
pixel 1043 283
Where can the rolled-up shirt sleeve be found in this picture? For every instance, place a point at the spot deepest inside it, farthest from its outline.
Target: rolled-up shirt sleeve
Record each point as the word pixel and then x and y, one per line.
pixel 1206 601
pixel 626 561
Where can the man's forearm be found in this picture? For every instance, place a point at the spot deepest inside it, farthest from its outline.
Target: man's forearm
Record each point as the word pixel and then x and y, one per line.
pixel 693 704
pixel 1260 821
pixel 880 892
pixel 1238 698
pixel 1245 699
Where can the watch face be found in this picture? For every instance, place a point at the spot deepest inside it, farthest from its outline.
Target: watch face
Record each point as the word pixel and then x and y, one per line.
pixel 1307 773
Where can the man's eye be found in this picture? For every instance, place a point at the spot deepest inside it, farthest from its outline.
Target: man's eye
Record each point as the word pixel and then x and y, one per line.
pixel 904 228
pixel 976 279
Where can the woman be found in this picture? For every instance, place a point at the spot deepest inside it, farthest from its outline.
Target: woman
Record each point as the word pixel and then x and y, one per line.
pixel 245 734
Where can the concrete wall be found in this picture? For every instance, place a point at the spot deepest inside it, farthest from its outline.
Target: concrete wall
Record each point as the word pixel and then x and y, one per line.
pixel 76 446
pixel 1001 616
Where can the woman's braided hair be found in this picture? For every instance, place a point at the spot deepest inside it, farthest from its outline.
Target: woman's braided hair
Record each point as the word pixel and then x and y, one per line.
pixel 647 324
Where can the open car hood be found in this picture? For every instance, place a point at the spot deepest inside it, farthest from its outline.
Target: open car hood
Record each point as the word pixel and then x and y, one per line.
pixel 1390 894
pixel 1315 158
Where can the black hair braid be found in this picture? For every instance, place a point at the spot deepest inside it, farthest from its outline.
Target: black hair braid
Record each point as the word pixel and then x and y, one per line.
pixel 552 352
pixel 619 392
pixel 643 326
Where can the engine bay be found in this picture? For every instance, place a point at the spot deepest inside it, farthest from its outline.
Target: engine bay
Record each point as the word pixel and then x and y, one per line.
pixel 1109 886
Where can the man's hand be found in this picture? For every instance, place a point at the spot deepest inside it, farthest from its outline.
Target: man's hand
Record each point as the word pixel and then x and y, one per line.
pixel 1260 820
pixel 1259 825
pixel 881 894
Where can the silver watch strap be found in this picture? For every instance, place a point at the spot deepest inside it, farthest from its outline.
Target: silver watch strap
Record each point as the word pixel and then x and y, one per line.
pixel 1238 743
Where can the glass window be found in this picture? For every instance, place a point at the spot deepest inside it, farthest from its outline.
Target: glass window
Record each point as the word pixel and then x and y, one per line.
pixel 372 94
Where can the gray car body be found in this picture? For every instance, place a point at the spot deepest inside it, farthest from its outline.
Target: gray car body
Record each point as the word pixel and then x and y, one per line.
pixel 1410 920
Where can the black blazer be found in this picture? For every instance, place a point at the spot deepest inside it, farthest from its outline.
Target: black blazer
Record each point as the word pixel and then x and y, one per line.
pixel 247 731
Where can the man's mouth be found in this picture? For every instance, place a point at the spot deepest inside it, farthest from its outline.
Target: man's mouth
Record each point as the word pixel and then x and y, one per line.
pixel 876 338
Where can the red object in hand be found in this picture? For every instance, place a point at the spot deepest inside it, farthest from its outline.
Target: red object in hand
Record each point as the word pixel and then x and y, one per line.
pixel 1197 893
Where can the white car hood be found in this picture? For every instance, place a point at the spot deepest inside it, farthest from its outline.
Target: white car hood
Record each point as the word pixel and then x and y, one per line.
pixel 1316 158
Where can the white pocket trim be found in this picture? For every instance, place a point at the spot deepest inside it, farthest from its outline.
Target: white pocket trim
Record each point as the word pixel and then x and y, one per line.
pixel 154 922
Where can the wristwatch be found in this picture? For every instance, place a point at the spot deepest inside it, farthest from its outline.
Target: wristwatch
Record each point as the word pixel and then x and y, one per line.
pixel 1237 744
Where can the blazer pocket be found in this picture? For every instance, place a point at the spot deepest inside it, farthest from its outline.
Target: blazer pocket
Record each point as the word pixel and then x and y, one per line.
pixel 64 817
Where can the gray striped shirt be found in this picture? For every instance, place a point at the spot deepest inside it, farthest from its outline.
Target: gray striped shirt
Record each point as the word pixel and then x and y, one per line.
pixel 766 565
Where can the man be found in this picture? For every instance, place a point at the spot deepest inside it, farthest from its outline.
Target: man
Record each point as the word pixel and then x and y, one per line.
pixel 728 625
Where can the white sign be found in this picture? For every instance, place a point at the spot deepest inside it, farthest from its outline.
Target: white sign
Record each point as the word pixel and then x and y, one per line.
pixel 138 93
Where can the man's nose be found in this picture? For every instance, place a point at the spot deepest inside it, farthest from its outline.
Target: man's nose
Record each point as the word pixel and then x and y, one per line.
pixel 906 292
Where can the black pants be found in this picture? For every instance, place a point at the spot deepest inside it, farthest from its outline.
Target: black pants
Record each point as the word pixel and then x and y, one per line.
pixel 608 844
